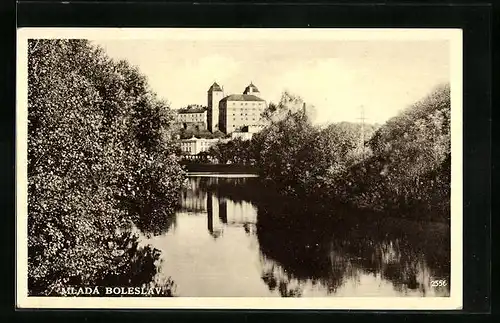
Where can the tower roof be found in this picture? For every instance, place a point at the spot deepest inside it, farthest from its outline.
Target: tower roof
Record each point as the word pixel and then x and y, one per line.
pixel 250 89
pixel 215 87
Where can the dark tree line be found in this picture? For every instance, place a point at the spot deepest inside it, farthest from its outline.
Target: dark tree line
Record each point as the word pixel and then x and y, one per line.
pixel 401 167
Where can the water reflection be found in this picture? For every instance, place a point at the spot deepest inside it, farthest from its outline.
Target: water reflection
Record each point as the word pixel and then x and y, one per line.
pixel 234 237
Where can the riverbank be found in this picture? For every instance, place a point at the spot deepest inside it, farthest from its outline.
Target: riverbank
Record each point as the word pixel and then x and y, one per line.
pixel 231 169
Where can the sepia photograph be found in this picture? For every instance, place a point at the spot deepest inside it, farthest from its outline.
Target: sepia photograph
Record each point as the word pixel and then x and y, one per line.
pixel 239 168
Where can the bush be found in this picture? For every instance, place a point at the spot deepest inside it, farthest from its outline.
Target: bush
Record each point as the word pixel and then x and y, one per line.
pixel 99 156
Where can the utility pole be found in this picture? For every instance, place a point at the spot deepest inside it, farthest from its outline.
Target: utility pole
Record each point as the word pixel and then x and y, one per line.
pixel 362 134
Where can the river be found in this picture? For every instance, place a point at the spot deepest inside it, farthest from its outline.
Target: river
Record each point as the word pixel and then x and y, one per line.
pixel 232 237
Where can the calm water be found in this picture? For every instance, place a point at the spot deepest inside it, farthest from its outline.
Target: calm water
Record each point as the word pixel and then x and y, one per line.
pixel 232 237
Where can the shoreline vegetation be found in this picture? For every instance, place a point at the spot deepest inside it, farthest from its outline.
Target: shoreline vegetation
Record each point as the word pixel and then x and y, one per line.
pixel 101 161
pixel 401 168
pixel 194 167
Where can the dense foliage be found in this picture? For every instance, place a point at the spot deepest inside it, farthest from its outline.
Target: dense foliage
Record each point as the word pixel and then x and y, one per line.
pixel 99 157
pixel 410 167
pixel 236 151
pixel 402 166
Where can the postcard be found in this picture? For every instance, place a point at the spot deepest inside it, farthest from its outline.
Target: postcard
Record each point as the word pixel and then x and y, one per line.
pixel 239 168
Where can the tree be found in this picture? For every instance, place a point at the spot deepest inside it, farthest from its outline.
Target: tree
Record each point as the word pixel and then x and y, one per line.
pixel 283 150
pixel 410 153
pixel 99 157
pixel 289 104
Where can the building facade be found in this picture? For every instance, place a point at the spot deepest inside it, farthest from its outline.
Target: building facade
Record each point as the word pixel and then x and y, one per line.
pixel 194 146
pixel 193 115
pixel 237 111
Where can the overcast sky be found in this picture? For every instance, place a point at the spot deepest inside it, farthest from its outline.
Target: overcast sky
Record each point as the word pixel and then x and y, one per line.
pixel 337 77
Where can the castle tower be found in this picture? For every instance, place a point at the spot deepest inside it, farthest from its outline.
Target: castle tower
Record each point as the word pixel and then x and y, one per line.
pixel 251 89
pixel 215 94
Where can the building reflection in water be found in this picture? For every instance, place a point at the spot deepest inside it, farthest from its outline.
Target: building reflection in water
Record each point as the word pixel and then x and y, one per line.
pixel 222 212
pixel 214 224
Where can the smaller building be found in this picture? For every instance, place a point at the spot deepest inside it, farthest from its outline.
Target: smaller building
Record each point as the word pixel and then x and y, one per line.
pixel 193 115
pixel 241 135
pixel 246 132
pixel 194 146
pixel 253 128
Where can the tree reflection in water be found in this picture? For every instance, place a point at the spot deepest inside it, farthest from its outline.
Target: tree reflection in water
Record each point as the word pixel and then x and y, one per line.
pixel 306 246
pixel 330 253
pixel 303 243
pixel 155 223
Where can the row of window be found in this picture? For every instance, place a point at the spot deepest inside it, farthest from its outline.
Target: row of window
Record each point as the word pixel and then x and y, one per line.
pixel 222 109
pixel 200 115
pixel 242 110
pixel 246 103
pixel 234 119
pixel 191 118
pixel 202 143
pixel 191 149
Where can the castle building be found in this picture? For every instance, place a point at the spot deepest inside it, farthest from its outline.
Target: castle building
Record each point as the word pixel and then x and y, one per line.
pixel 236 111
pixel 215 95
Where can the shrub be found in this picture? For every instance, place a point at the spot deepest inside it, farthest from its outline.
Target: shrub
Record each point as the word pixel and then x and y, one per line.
pixel 99 156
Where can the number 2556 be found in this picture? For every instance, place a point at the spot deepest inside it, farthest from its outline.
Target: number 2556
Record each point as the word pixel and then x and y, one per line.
pixel 438 283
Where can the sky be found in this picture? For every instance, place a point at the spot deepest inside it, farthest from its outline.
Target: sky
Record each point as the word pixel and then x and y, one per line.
pixel 337 77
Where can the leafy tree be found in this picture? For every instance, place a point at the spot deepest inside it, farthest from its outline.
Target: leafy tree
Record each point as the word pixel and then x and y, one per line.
pixel 333 151
pixel 411 155
pixel 284 149
pixel 289 104
pixel 99 157
pixel 402 166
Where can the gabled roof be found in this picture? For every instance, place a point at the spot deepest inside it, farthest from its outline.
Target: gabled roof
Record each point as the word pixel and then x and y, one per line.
pixel 215 87
pixel 241 97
